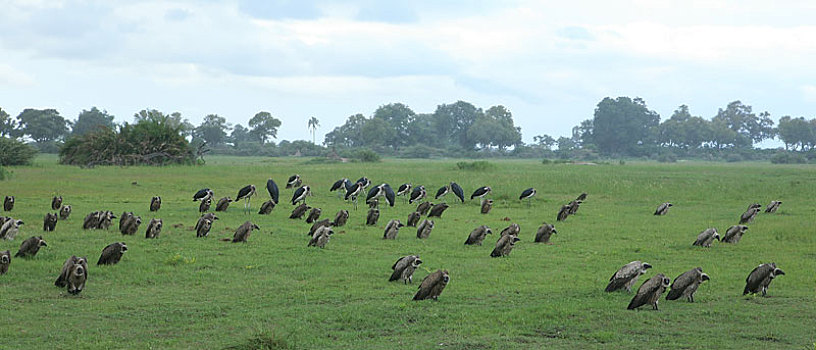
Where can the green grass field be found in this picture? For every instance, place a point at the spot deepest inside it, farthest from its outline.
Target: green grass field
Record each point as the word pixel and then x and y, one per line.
pixel 274 292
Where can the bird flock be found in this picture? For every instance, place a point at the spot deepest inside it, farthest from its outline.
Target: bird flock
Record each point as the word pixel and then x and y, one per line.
pixel 74 273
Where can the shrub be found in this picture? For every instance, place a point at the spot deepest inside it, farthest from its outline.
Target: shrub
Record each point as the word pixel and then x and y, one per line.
pixel 13 152
pixel 479 165
pixel 788 158
pixel 667 158
pixel 417 151
pixel 734 157
pixel 3 173
pixel 546 161
pixel 367 156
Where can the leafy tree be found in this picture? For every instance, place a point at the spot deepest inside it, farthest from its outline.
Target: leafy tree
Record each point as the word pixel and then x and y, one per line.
pixel 544 141
pixel 172 120
pixel 684 130
pixel 350 134
pixel 313 125
pixel 213 129
pixel 724 137
pixel 14 152
pixel 797 132
pixel 453 121
pixel 263 126
pixel 42 125
pixel 6 124
pixel 239 134
pixel 622 124
pixel 421 131
pixel 377 133
pixel 749 127
pixel 90 120
pixel 399 118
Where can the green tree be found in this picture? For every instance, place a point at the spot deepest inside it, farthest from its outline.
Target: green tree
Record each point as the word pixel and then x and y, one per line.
pixel 6 124
pixel 544 141
pixel 399 117
pixel 620 125
pixel 796 132
pixel 90 120
pixel 376 133
pixel 172 120
pixel 263 126
pixel 42 125
pixel 239 134
pixel 350 134
pixel 749 127
pixel 452 122
pixel 421 131
pixel 213 129
pixel 313 125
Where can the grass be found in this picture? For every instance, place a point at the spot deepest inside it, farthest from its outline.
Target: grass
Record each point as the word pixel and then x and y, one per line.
pixel 275 293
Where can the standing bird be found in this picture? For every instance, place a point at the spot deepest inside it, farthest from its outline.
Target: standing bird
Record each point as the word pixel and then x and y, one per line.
pixel 581 197
pixel 294 181
pixel 627 276
pixel 364 181
pixel 544 232
pixel 417 194
pixel 106 220
pixel 112 253
pixel 413 219
pixel 5 261
pixel 424 229
pixel 458 191
pixel 74 274
pixel 65 212
pixel 527 194
pixel 129 224
pixel 573 206
pixel 353 192
pixel 650 292
pixel 206 219
pixel 663 209
pixel 246 194
pixel 392 229
pixel 373 216
pixel 272 188
pixel 686 284
pixel 266 207
pixel 223 204
pixel 504 246
pixel 563 213
pixel 155 203
pixel 205 205
pixel 49 222
pixel 772 207
pixel 486 206
pixel 760 278
pixel 10 229
pixel 341 218
pixel 8 203
pixel 433 285
pixel 754 205
pixel 318 224
pixel 321 237
pixel 749 215
pixel 242 233
pixel 437 210
pixel 424 207
pixel 512 229
pixel 341 184
pixel 480 193
pixel 380 190
pixel 314 214
pixel 404 268
pixel 300 194
pixel 203 193
pixel 30 247
pixel 299 211
pixel 734 234
pixel 478 235
pixel 154 228
pixel 56 203
pixel 705 238
pixel 404 190
pixel 442 191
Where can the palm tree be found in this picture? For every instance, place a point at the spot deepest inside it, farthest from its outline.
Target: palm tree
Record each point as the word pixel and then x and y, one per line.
pixel 313 125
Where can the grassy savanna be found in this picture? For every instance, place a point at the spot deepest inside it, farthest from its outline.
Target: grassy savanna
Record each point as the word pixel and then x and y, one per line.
pixel 182 292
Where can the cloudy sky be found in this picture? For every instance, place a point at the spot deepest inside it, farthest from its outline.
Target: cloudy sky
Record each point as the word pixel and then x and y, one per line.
pixel 549 62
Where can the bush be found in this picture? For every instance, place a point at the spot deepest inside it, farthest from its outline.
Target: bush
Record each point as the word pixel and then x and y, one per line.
pixel 479 165
pixel 667 158
pixel 546 161
pixel 417 151
pixel 734 157
pixel 13 152
pixel 788 158
pixel 3 173
pixel 367 156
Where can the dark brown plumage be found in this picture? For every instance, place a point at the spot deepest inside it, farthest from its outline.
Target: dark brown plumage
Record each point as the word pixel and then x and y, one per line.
pixel 573 207
pixel 223 204
pixel 8 203
pixel 686 284
pixel 130 225
pixel 413 219
pixel 544 232
pixel 299 211
pixel 477 236
pixel 734 234
pixel 437 210
pixel 512 229
pixel 404 268
pixel 424 229
pixel 314 214
pixel 65 212
pixel 5 261
pixel 154 227
pixel 341 218
pixel 749 215
pixel 155 203
pixel 112 253
pixel 433 285
pixel 49 222
pixel 563 213
pixel 649 292
pixel 424 207
pixel 56 203
pixel 30 247
pixel 760 279
pixel 373 216
pixel 204 206
pixel 206 219
pixel 504 246
pixel 581 197
pixel 318 224
pixel 627 276
pixel 392 229
pixel 486 206
pixel 243 232
pixel 266 207
pixel 321 237
pixel 74 274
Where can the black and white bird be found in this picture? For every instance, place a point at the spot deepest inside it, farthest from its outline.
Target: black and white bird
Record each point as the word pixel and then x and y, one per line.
pixel 246 194
pixel 527 194
pixel 300 194
pixel 404 190
pixel 342 184
pixel 353 192
pixel 364 181
pixel 458 191
pixel 272 188
pixel 417 194
pixel 294 181
pixel 480 193
pixel 441 192
pixel 663 208
pixel 203 193
pixel 382 190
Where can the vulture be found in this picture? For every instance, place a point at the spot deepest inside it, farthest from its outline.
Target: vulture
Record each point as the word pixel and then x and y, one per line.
pixel 749 215
pixel 424 207
pixel 242 233
pixel 49 222
pixel 321 237
pixel 404 269
pixel 30 247
pixel 663 209
pixel 513 229
pixel 705 238
pixel 56 203
pixel 424 229
pixel 734 234
pixel 314 214
pixel 155 203
pixel 10 228
pixel 201 221
pixel 130 224
pixel 205 205
pixel 341 218
pixel 772 207
pixel 299 211
pixel 458 191
pixel 686 284
pixel 154 227
pixel 300 194
pixel 202 193
pixel 8 203
pixel 573 207
pixel 437 210
pixel 65 212
pixel 293 181
pixel 318 224
pixel 106 220
pixel 272 188
pixel 563 213
pixel 650 292
pixel 373 216
pixel 481 192
pixel 413 219
pixel 544 232
pixel 5 261
pixel 392 229
pixel 432 286
pixel 112 253
pixel 223 204
pixel 478 235
pixel 126 215
pixel 627 276
pixel 417 194
pixel 760 278
pixel 266 207
pixel 581 197
pixel 486 206
pixel 74 274
pixel 504 245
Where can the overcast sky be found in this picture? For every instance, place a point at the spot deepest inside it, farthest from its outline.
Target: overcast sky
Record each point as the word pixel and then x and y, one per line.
pixel 549 62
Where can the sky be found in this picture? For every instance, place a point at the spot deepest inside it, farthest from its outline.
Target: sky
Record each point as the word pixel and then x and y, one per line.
pixel 548 62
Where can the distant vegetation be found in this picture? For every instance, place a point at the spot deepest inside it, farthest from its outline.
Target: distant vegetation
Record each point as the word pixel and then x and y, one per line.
pixel 14 152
